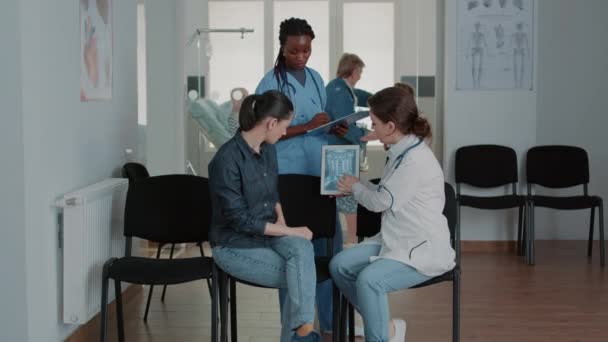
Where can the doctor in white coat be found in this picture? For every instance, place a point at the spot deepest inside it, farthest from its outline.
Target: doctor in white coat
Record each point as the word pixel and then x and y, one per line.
pixel 413 244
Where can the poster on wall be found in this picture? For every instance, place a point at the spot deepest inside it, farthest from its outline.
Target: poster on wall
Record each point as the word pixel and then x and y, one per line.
pixel 495 44
pixel 96 35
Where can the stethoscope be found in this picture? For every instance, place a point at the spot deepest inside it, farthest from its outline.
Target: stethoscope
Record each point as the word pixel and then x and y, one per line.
pixel 291 90
pixel 394 168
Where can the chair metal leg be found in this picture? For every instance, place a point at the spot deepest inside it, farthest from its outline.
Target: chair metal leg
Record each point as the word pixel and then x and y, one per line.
pixel 351 324
pixel 223 287
pixel 200 246
pixel 456 307
pixel 336 314
pixel 531 235
pixel 119 314
pixel 343 317
pixel 233 312
pixel 601 218
pixel 151 288
pixel 214 299
pixel 162 297
pixel 520 219
pixel 590 243
pixel 104 304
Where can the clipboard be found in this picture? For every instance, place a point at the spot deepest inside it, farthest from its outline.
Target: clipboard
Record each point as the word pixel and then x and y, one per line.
pixel 349 119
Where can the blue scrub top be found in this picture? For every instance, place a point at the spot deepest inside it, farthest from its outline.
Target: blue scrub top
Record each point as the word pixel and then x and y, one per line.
pixel 340 103
pixel 300 154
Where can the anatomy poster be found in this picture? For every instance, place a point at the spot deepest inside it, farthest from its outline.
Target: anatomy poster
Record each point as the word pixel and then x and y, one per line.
pixel 495 44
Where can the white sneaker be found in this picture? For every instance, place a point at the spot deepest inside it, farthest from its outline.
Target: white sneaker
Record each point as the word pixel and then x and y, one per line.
pixel 400 327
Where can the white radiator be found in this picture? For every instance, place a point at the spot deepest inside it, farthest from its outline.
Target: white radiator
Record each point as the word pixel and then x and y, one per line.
pixel 92 233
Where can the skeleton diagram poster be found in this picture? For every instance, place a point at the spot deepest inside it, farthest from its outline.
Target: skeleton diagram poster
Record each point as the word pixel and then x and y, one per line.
pixel 495 44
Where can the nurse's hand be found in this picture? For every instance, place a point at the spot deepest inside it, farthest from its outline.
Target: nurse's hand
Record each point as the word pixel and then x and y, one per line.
pixel 340 130
pixel 318 120
pixel 345 184
pixel 302 232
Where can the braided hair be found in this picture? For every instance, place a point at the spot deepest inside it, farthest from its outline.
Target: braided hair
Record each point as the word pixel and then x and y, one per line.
pixel 289 27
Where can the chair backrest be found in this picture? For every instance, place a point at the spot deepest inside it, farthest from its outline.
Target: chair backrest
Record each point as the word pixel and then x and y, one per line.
pixel 168 209
pixel 486 166
pixel 134 171
pixel 557 166
pixel 369 223
pixel 303 205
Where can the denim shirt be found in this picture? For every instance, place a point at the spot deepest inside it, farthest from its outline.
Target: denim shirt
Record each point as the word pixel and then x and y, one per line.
pixel 244 192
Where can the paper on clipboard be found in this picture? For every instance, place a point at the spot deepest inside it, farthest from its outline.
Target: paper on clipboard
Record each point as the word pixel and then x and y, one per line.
pixel 349 119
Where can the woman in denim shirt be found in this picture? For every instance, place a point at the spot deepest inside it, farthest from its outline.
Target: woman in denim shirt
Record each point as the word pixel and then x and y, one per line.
pixel 248 232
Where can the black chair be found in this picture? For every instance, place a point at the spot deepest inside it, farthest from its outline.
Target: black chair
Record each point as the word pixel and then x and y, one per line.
pixel 163 209
pixel 134 172
pixel 559 167
pixel 368 225
pixel 303 205
pixel 490 166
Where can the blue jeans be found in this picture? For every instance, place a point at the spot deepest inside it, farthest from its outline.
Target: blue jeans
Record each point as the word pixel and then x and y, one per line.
pixel 288 263
pixel 366 285
pixel 324 289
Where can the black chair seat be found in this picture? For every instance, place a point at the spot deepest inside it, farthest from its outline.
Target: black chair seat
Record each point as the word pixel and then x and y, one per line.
pixel 494 202
pixel 138 270
pixel 447 276
pixel 566 203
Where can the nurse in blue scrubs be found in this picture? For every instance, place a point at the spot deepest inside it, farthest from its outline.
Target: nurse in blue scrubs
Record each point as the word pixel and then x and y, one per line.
pixel 343 98
pixel 299 152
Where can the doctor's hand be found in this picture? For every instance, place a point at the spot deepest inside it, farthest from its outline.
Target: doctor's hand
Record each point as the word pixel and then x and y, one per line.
pixel 340 130
pixel 345 184
pixel 302 232
pixel 369 137
pixel 318 120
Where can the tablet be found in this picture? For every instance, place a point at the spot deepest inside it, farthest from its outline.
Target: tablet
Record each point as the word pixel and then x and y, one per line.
pixel 336 161
pixel 349 119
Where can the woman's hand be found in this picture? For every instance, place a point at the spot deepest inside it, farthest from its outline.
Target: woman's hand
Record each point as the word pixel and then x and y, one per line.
pixel 345 184
pixel 302 232
pixel 369 137
pixel 318 120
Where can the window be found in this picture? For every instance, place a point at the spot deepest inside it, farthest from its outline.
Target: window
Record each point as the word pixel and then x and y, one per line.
pixel 375 44
pixel 316 14
pixel 234 62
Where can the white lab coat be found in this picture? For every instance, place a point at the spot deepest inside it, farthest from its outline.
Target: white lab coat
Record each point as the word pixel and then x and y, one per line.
pixel 411 199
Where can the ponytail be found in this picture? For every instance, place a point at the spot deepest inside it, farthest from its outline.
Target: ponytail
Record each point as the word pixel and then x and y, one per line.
pixel 256 108
pixel 247 114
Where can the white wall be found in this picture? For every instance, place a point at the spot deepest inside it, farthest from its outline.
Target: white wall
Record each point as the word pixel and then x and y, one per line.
pixel 568 106
pixel 572 101
pixel 483 117
pixel 163 64
pixel 13 315
pixel 68 144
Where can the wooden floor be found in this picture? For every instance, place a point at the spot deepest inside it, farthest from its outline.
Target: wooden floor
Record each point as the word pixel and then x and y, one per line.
pixel 563 298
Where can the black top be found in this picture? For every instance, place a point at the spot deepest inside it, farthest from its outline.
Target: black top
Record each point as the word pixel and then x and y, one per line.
pixel 244 192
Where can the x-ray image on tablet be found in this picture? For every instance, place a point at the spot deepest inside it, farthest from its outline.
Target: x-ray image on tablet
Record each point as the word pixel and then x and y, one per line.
pixel 338 160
